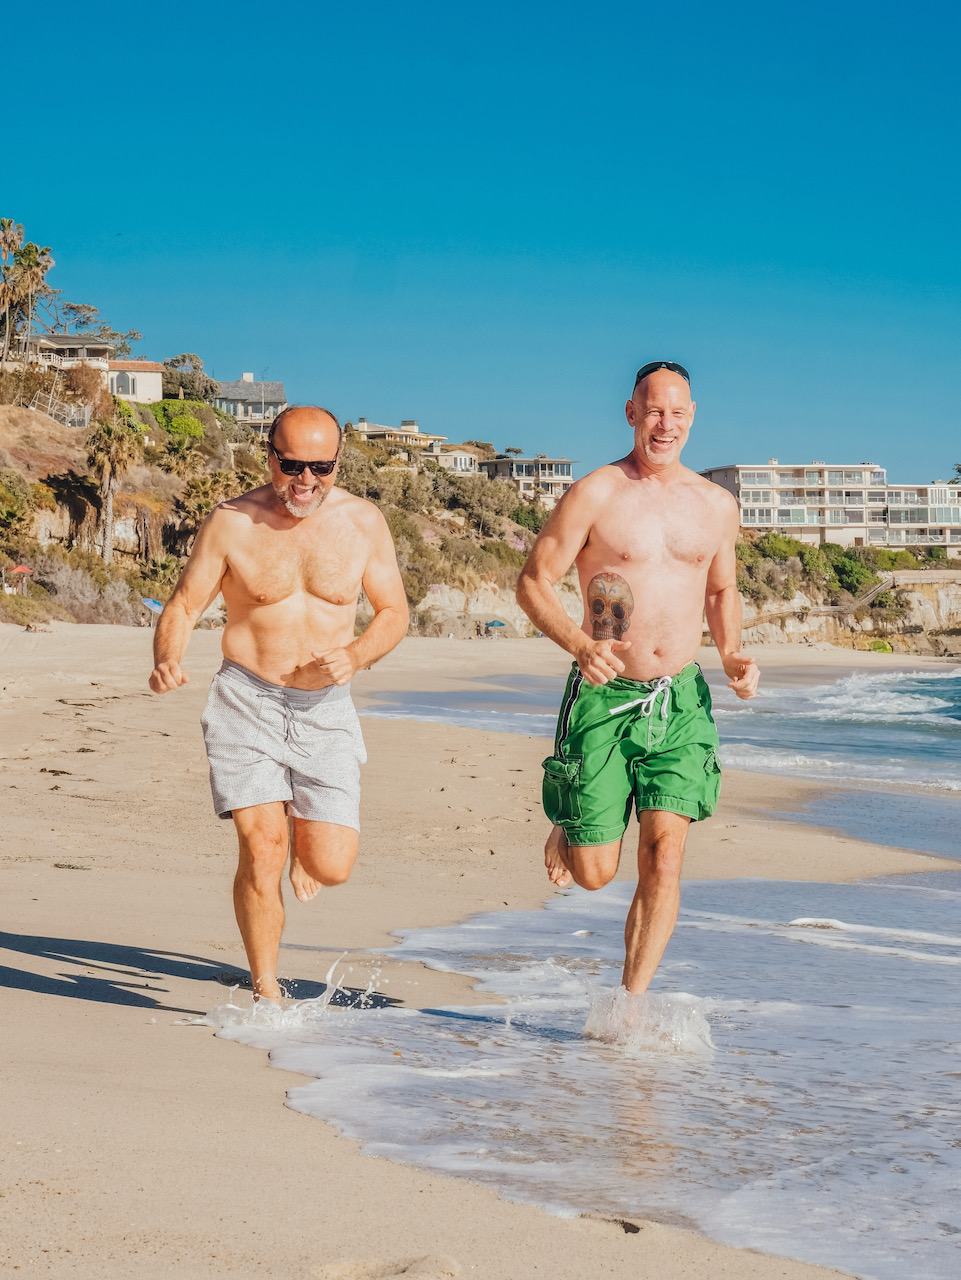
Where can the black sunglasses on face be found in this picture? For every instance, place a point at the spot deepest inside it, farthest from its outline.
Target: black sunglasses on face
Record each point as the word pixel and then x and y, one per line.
pixel 294 466
pixel 662 364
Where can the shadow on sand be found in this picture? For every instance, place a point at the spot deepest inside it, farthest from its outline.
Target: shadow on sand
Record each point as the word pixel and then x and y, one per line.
pixel 113 974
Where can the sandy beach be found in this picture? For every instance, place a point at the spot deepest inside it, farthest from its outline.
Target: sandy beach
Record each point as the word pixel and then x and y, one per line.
pixel 136 1143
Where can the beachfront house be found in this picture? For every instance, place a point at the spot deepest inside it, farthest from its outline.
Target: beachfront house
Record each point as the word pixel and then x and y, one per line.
pixel 540 477
pixel 139 381
pixel 67 350
pixel 851 504
pixel 407 436
pixel 461 459
pixel 254 404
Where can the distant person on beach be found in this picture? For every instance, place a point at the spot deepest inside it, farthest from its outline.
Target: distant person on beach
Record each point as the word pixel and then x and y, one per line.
pixel 282 735
pixel 653 543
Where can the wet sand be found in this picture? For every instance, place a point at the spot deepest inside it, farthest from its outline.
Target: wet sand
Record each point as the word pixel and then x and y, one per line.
pixel 133 1142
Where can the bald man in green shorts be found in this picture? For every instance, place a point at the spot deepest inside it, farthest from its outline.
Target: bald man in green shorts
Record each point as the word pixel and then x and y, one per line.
pixel 653 543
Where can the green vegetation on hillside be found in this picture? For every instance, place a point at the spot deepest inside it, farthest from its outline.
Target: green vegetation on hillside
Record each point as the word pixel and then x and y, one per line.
pixel 774 569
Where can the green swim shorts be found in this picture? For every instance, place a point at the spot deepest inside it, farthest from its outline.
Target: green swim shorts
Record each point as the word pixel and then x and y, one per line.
pixel 651 743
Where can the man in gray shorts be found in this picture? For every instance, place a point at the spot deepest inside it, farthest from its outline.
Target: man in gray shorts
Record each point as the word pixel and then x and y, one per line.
pixel 282 736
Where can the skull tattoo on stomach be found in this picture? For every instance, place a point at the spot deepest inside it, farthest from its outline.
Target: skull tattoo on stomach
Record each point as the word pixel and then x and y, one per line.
pixel 610 604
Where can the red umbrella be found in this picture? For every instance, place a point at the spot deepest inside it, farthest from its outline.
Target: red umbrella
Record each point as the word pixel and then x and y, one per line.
pixel 21 568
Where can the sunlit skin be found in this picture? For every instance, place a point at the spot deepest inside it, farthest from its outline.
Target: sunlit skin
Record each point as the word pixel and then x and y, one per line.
pixel 670 534
pixel 291 559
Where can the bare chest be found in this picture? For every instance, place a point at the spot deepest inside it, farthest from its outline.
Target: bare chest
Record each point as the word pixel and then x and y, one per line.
pixel 271 566
pixel 678 536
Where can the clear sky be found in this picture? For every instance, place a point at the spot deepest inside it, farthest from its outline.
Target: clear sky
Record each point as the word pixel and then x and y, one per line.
pixel 487 216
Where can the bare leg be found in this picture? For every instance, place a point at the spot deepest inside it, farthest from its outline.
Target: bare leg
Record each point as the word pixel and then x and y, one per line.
pixel 258 902
pixel 325 856
pixel 653 914
pixel 592 865
pixel 322 855
pixel 305 886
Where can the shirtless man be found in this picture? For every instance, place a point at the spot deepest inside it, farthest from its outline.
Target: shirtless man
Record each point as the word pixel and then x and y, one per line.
pixel 282 736
pixel 654 547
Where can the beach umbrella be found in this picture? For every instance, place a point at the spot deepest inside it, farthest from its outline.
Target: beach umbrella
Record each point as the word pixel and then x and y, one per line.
pixel 495 623
pixel 153 605
pixel 21 568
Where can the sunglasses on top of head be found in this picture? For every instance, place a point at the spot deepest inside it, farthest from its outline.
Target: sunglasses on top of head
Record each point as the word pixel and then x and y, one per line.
pixel 662 364
pixel 294 466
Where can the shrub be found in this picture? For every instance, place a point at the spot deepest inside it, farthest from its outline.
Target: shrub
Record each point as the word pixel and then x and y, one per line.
pixel 747 553
pixel 881 646
pixel 832 550
pixel 507 555
pixel 530 517
pixel 19 499
pixel 776 546
pixel 854 575
pixel 26 611
pixel 817 566
pixel 185 425
pixel 78 591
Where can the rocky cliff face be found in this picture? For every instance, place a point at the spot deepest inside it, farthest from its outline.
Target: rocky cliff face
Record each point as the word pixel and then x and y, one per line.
pixel 931 623
pixel 446 609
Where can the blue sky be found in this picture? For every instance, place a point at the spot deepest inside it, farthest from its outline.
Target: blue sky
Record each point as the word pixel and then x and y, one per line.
pixel 487 216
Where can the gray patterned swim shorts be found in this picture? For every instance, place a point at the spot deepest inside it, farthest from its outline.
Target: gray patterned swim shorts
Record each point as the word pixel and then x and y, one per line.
pixel 266 742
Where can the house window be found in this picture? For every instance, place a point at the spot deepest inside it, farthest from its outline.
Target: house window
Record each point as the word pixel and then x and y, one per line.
pixel 755 495
pixel 756 515
pixel 812 477
pixel 755 477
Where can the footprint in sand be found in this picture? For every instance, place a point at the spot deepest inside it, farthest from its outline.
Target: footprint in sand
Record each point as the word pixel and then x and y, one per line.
pixel 382 1269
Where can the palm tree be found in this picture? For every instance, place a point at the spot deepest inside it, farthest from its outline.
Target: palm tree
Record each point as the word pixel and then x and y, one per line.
pixel 33 263
pixel 112 450
pixel 182 457
pixel 11 238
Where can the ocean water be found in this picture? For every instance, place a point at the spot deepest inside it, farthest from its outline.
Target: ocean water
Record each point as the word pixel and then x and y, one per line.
pixel 791 1084
pixel 888 729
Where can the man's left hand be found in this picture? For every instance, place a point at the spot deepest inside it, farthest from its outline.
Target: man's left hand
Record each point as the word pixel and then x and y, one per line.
pixel 334 666
pixel 743 673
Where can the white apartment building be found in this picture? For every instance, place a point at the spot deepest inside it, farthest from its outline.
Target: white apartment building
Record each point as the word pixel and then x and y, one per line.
pixel 851 504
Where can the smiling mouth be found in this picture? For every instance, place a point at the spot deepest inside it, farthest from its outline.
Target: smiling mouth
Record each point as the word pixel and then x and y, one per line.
pixel 302 493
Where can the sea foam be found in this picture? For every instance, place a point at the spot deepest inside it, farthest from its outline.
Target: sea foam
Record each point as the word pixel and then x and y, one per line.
pixel 789 1085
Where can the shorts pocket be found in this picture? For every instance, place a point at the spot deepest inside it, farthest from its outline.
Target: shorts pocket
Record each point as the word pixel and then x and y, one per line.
pixel 712 762
pixel 562 802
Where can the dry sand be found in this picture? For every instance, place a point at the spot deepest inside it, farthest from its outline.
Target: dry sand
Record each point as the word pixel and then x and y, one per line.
pixel 133 1144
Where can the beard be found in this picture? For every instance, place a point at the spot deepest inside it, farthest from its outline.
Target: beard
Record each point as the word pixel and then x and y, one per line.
pixel 300 509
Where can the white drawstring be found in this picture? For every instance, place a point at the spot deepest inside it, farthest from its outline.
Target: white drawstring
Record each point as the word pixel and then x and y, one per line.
pixel 646 703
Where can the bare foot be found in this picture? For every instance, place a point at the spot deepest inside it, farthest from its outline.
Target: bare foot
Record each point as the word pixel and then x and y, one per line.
pixel 558 871
pixel 267 991
pixel 305 886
